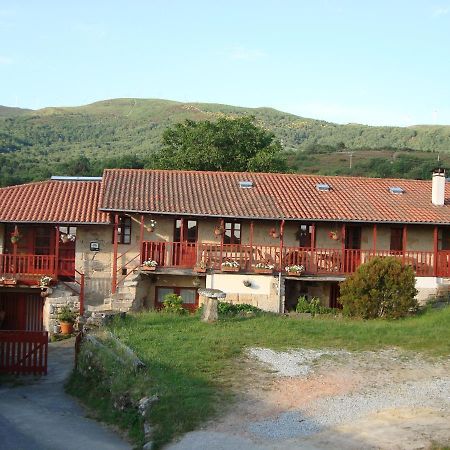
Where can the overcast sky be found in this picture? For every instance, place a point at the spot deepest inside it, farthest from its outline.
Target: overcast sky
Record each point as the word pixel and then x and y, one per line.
pixel 372 62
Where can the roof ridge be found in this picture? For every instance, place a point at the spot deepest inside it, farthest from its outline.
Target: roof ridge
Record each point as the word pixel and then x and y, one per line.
pixel 279 174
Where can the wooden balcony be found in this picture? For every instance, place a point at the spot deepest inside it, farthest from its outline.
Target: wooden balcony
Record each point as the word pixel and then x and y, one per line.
pixel 316 261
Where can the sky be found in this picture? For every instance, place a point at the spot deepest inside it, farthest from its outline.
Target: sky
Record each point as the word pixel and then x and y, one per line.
pixel 374 62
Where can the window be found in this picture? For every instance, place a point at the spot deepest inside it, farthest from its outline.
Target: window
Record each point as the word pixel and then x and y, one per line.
pixel 304 235
pixel 124 230
pixel 232 234
pixel 445 238
pixel 185 230
pixel 189 295
pixel 397 239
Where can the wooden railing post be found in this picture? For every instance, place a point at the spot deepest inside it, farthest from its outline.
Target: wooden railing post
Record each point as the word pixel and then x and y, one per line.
pixel 56 261
pixel 281 244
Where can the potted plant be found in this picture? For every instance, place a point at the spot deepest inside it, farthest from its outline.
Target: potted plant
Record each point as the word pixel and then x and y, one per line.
pixel 274 233
pixel 15 237
pixel 45 281
pixel 152 225
pixel 219 230
pixel 9 281
pixel 200 267
pixel 149 265
pixel 230 266
pixel 66 319
pixel 67 237
pixel 294 270
pixel 333 235
pixel 264 267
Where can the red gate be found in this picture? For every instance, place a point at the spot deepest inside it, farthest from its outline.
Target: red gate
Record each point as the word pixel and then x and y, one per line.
pixel 23 352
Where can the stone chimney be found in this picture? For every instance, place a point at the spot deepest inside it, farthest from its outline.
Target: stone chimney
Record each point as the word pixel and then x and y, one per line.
pixel 438 187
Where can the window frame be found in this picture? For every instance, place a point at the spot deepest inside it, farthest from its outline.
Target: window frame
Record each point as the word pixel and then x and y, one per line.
pixel 121 227
pixel 232 229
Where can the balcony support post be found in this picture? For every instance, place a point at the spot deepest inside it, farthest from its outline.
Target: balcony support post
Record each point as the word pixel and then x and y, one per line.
pixel 281 244
pixel 435 250
pixel 313 236
pixel 251 245
pixel 16 232
pixel 115 242
pixel 343 263
pixel 374 239
pixel 404 241
pixel 56 261
pixel 141 238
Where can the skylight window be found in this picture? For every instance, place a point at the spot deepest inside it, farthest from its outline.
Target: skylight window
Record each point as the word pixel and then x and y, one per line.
pixel 396 190
pixel 245 184
pixel 323 187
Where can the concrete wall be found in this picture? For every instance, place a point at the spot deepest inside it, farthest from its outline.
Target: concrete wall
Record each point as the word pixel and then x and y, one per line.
pixel 263 291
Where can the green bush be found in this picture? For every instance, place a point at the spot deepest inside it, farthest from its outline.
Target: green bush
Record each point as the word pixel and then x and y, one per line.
pixel 230 309
pixel 382 287
pixel 173 303
pixel 312 306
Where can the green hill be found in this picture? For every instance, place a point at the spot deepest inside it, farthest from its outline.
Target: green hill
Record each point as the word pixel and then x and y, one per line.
pixel 84 139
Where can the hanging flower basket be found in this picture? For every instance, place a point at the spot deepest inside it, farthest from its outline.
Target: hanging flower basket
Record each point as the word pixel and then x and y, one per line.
pixel 274 233
pixel 15 238
pixel 151 226
pixel 333 235
pixel 65 238
pixel 219 230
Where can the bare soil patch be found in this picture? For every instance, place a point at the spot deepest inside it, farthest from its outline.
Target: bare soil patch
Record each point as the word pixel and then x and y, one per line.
pixel 384 400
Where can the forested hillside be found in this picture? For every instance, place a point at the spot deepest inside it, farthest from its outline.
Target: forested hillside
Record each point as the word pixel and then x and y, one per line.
pixel 126 133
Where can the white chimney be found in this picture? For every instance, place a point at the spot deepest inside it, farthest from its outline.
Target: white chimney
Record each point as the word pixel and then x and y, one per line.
pixel 438 187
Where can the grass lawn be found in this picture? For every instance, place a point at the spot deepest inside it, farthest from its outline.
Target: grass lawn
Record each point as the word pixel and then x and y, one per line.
pixel 190 363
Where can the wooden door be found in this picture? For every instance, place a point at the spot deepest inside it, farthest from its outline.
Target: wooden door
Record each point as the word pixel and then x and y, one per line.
pixel 352 257
pixel 185 243
pixel 396 245
pixel 66 256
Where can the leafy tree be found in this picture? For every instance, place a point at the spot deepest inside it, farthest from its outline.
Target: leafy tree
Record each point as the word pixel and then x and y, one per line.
pixel 227 145
pixel 382 287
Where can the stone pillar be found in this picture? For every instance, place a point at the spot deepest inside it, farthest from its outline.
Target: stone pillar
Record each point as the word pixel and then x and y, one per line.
pixel 210 312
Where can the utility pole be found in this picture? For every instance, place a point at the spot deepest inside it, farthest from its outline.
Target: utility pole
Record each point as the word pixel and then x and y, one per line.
pixel 350 158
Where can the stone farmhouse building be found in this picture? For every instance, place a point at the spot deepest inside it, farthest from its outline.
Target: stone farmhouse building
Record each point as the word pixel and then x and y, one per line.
pixel 125 240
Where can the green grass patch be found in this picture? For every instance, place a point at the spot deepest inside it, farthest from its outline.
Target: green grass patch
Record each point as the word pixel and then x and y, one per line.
pixel 191 364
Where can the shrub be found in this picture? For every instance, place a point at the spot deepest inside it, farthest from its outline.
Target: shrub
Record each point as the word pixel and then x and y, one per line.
pixel 173 303
pixel 381 287
pixel 230 309
pixel 66 315
pixel 312 306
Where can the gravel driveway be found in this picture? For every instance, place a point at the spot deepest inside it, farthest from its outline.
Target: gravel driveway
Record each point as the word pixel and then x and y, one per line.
pixel 333 399
pixel 39 415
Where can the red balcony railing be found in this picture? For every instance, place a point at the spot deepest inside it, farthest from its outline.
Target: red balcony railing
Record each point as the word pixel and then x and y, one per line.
pixel 315 261
pixel 27 264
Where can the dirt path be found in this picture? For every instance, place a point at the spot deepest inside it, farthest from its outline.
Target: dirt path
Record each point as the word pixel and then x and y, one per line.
pixel 328 400
pixel 39 415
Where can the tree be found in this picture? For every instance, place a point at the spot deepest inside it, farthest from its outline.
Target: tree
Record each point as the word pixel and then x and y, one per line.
pixel 382 287
pixel 226 145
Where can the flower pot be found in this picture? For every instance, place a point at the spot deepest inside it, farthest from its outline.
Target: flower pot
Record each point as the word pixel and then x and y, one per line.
pixel 11 282
pixel 55 329
pixel 230 269
pixel 44 294
pixel 200 269
pixel 148 268
pixel 294 274
pixel 265 271
pixel 14 239
pixel 66 327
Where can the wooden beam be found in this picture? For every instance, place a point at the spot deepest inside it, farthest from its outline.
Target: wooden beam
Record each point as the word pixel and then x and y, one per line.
pixel 141 237
pixel 251 243
pixel 116 244
pixel 374 239
pixel 57 238
pixel 435 250
pixel 281 244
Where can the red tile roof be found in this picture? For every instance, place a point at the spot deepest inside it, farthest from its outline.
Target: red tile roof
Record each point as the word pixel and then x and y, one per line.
pixel 273 196
pixel 70 202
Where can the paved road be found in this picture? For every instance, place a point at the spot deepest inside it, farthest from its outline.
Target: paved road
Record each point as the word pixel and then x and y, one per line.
pixel 39 415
